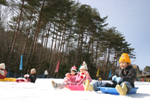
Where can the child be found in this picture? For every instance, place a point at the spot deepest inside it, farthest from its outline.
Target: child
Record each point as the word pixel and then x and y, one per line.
pixel 83 75
pixel 80 77
pixel 32 76
pixel 69 75
pixel 29 78
pixel 122 79
pixel 67 79
pixel 3 72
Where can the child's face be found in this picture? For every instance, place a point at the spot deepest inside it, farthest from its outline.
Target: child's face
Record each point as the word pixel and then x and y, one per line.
pixel 123 65
pixel 31 72
pixel 82 70
pixel 73 73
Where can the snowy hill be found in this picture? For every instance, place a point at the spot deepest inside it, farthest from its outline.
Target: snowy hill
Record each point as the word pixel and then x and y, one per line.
pixel 43 90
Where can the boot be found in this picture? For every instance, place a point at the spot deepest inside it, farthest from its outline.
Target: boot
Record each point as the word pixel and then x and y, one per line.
pixel 58 85
pixel 87 86
pixel 122 90
pixel 54 84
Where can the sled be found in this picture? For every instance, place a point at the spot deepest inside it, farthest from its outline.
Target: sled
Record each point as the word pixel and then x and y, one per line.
pixel 22 80
pixel 110 90
pixel 8 80
pixel 75 87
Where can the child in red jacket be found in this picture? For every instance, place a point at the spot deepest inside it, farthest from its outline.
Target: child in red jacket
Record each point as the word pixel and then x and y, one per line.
pixel 3 72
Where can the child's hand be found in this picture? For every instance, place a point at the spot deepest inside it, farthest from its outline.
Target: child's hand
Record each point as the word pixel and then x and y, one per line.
pixel 26 75
pixel 118 79
pixel 87 74
pixel 114 78
pixel 68 75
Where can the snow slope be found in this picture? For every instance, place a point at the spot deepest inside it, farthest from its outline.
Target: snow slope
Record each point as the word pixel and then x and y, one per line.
pixel 43 90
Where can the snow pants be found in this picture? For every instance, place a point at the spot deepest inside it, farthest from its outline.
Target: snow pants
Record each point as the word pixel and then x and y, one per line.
pixel 103 84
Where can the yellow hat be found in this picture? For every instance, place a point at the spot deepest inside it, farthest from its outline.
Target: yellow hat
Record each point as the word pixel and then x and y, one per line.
pixel 125 58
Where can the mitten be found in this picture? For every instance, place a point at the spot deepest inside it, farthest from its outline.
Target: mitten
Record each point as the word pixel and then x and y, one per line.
pixel 114 78
pixel 119 79
pixel 86 74
pixel 68 75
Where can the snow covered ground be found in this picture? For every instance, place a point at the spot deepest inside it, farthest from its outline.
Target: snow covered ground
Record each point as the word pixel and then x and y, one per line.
pixel 43 90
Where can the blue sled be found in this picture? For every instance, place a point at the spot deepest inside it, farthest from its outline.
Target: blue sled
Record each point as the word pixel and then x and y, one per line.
pixel 110 90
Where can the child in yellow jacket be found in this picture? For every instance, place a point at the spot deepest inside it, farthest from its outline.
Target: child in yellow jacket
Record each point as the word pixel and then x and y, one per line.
pixel 122 79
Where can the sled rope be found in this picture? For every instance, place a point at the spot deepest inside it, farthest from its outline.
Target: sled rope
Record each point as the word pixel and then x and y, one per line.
pixel 81 81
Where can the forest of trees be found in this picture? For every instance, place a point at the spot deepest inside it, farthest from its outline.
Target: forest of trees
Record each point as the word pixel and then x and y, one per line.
pixel 46 31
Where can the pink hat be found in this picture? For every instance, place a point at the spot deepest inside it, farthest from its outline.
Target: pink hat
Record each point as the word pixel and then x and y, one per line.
pixel 74 68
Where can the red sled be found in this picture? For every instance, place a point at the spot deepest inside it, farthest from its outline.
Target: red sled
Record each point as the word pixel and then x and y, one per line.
pixel 75 87
pixel 22 80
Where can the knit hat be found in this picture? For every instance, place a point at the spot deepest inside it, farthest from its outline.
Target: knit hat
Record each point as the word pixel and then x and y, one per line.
pixel 33 70
pixel 74 68
pixel 125 58
pixel 84 66
pixel 2 65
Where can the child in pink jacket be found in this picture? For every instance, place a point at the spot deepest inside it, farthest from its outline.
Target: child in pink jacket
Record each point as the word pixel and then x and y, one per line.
pixel 77 79
pixel 68 80
pixel 70 77
pixel 81 76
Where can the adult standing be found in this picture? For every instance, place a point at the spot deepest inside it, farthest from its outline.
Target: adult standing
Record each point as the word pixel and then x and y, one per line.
pixel 45 73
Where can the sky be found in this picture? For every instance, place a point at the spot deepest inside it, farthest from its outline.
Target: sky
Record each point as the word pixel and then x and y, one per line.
pixel 132 19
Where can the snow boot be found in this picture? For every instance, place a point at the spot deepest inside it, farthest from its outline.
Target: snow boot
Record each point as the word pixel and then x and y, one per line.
pixel 122 90
pixel 58 85
pixel 54 84
pixel 88 86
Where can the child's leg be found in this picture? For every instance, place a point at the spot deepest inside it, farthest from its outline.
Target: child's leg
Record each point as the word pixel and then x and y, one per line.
pixel 124 88
pixel 58 85
pixel 129 86
pixel 98 84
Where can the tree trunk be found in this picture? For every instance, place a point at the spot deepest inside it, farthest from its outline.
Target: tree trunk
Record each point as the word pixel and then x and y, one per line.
pixel 53 56
pixel 59 44
pixel 81 46
pixel 41 53
pixel 64 55
pixel 104 68
pixel 51 53
pixel 97 46
pixel 77 51
pixel 108 56
pixel 16 33
pixel 62 41
pixel 24 47
pixel 46 44
pixel 37 28
pixel 114 62
pixel 92 51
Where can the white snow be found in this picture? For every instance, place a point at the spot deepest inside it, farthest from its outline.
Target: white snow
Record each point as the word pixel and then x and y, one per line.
pixel 43 90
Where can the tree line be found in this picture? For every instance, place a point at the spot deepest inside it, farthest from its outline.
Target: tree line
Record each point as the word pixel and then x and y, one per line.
pixel 46 31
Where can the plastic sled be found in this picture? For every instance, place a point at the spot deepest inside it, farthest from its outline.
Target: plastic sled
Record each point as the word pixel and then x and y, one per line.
pixel 75 87
pixel 110 90
pixel 8 80
pixel 22 80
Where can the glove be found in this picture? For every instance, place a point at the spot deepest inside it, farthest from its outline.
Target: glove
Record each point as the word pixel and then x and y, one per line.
pixel 26 75
pixel 68 75
pixel 114 78
pixel 86 74
pixel 118 79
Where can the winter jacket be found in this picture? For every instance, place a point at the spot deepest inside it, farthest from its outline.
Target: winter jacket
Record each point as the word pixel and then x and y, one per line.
pixel 78 80
pixel 3 73
pixel 128 74
pixel 32 78
pixel 70 81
